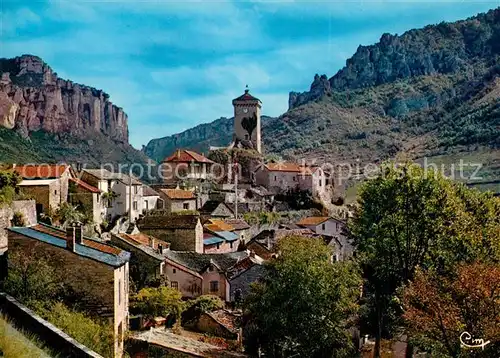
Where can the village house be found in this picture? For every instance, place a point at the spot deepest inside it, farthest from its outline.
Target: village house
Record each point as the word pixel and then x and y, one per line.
pixel 264 244
pixel 219 238
pixel 92 270
pixel 216 209
pixel 281 177
pixel 88 199
pixel 240 227
pixel 243 274
pixel 176 200
pixel 195 274
pixel 333 230
pixel 220 323
pixel 151 199
pixel 182 232
pixel 47 184
pixel 120 191
pixel 185 165
pixel 146 256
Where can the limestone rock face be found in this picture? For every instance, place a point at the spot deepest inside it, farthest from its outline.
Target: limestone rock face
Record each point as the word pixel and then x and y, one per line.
pixel 443 49
pixel 33 97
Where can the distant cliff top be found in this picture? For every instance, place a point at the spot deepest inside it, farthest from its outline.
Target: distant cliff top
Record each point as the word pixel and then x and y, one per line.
pixel 435 49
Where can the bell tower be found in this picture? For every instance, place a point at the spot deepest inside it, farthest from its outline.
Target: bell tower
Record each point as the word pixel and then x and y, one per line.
pixel 247 110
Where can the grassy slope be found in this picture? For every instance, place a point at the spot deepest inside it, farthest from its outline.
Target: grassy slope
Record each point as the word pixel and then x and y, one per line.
pixel 16 344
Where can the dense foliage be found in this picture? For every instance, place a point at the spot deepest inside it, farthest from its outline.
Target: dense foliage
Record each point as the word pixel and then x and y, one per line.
pixel 304 304
pixel 158 302
pixel 205 303
pixel 410 218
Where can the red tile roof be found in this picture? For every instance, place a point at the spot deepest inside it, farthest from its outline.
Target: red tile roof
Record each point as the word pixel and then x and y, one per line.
pixel 143 239
pixel 85 186
pixel 187 156
pixel 90 243
pixel 178 193
pixel 312 220
pixel 246 97
pixel 41 171
pixel 290 167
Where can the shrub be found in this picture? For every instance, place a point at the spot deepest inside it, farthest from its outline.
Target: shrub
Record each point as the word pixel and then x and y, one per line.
pixel 18 219
pixel 158 301
pixel 204 303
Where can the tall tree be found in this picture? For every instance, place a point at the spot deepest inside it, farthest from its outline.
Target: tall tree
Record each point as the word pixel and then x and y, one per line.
pixel 305 305
pixel 408 217
pixel 440 309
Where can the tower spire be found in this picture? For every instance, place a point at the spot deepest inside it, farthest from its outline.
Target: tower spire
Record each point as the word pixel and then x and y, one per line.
pixel 246 89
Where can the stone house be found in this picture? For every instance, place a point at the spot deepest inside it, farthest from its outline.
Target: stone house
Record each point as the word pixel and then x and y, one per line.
pixel 220 323
pixel 176 200
pixel 195 274
pixel 147 263
pixel 47 184
pixel 243 274
pixel 185 165
pixel 216 209
pixel 281 177
pixel 88 198
pixel 240 227
pixel 127 192
pixel 151 199
pixel 93 270
pixel 331 228
pixel 182 232
pixel 264 244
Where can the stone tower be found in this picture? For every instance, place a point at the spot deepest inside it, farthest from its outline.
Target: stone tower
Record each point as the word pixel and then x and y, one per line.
pixel 247 121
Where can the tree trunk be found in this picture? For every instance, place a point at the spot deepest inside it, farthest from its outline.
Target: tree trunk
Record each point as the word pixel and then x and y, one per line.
pixel 378 333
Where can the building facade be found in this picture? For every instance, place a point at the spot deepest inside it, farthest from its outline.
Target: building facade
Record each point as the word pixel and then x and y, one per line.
pixel 92 270
pixel 185 165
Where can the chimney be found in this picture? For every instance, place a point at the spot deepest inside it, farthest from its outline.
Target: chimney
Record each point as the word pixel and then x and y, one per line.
pixel 79 233
pixel 160 248
pixel 151 242
pixel 70 238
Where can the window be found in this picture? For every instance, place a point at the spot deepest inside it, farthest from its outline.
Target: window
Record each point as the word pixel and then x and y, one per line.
pixel 119 292
pixel 246 136
pixel 211 268
pixel 185 206
pixel 55 192
pixel 275 178
pixel 218 245
pixel 174 270
pixel 323 226
pixel 136 189
pixel 294 178
pixel 214 286
pixel 135 205
pixel 231 244
pixel 174 284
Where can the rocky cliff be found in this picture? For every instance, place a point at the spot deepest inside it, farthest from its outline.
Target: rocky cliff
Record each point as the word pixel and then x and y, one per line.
pixel 34 98
pixel 446 48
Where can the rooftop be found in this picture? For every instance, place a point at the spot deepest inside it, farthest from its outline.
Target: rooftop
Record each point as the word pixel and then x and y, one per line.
pixel 168 222
pixel 142 242
pixel 237 224
pixel 89 248
pixel 187 156
pixel 148 191
pixel 104 174
pixel 313 220
pixel 43 171
pixel 85 186
pixel 246 97
pixel 218 225
pixel 200 262
pixel 178 194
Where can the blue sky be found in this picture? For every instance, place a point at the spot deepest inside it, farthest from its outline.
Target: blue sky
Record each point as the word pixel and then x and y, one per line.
pixel 172 65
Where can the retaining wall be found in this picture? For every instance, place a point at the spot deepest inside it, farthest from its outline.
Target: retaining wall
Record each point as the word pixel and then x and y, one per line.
pixel 53 337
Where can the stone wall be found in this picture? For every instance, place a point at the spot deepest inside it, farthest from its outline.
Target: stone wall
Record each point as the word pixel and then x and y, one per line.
pixel 180 239
pixel 50 335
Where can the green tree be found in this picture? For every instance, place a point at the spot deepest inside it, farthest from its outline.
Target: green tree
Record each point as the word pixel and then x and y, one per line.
pixel 67 214
pixel 158 302
pixel 204 303
pixel 31 277
pixel 304 304
pixel 409 217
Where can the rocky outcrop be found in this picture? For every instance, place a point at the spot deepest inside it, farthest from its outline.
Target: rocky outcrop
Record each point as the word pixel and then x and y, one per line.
pixel 445 48
pixel 33 98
